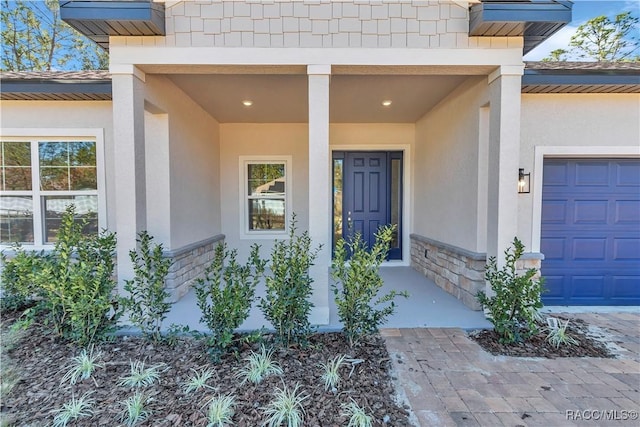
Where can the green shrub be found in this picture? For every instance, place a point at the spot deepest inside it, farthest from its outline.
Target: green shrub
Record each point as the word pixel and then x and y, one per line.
pixel 287 304
pixel 513 308
pixel 226 293
pixel 356 268
pixel 17 278
pixel 147 301
pixel 77 285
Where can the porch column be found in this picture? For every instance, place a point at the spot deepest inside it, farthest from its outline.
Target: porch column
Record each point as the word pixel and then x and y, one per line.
pixel 504 155
pixel 128 138
pixel 319 187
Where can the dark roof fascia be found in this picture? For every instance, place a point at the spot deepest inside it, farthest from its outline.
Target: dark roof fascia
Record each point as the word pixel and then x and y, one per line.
pixel 580 77
pixel 54 88
pixel 98 19
pixel 535 20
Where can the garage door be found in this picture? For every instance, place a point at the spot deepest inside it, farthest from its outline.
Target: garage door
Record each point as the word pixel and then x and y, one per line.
pixel 591 231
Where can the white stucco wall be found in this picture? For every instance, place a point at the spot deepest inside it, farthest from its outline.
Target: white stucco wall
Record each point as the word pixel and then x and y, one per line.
pixel 448 174
pixel 67 115
pixel 194 158
pixel 260 139
pixel 573 125
pixel 370 135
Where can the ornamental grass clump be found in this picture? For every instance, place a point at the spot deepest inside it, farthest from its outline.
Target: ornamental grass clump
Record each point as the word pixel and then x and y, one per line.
pixel 259 366
pixel 73 410
pixel 147 304
pixel 331 374
pixel 225 295
pixel 516 300
pixel 287 304
pixel 286 408
pixel 83 366
pixel 135 409
pixel 220 410
pixel 356 272
pixel 557 333
pixel 357 416
pixel 142 376
pixel 199 380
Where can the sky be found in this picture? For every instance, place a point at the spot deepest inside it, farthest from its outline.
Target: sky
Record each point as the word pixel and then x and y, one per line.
pixel 583 10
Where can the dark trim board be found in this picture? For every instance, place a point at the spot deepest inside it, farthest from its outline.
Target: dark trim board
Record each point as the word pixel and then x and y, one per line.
pixel 56 90
pixel 100 19
pixel 535 21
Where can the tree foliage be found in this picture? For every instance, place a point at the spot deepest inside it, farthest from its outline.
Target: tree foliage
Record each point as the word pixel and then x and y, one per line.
pixel 34 38
pixel 603 39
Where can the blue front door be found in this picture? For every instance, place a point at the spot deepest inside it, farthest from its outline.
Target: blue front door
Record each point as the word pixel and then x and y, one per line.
pixel 367 189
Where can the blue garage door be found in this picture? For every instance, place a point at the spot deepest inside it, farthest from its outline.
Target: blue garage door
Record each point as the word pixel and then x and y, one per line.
pixel 591 231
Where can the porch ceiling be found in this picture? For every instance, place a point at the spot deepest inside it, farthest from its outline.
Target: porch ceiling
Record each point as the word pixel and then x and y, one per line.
pixel 283 98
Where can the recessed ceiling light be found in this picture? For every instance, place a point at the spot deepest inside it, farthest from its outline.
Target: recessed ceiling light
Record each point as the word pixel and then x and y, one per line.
pixel 247 103
pixel 386 103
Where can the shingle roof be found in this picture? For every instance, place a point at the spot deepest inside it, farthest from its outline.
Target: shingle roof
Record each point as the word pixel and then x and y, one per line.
pixel 583 66
pixel 581 77
pixel 56 75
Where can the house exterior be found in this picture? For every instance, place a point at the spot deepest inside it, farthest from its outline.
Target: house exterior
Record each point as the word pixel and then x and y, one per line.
pixel 218 120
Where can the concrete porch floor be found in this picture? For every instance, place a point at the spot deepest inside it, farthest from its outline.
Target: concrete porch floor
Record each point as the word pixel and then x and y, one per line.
pixel 427 306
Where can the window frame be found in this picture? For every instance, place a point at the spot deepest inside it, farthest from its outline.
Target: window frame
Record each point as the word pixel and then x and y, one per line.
pixel 244 162
pixel 37 135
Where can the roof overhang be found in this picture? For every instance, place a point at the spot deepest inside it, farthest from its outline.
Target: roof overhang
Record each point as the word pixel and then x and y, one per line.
pixel 25 87
pixel 580 78
pixel 99 19
pixel 535 20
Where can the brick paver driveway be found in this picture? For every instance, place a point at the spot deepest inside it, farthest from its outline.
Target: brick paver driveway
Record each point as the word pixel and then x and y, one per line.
pixel 449 380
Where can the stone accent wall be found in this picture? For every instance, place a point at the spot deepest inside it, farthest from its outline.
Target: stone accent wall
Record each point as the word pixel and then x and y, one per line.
pixel 189 263
pixel 457 271
pixel 319 23
pixel 529 260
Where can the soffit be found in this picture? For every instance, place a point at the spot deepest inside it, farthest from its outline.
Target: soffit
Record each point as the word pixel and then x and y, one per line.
pixel 284 98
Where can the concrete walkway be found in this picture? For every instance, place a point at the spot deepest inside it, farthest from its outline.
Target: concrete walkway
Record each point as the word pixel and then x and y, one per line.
pixel 449 380
pixel 427 306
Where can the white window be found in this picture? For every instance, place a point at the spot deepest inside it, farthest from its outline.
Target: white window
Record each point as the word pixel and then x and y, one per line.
pixel 266 196
pixel 39 177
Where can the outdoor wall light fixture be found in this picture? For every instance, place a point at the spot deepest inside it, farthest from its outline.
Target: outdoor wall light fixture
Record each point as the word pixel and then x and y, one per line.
pixel 524 181
pixel 386 103
pixel 247 103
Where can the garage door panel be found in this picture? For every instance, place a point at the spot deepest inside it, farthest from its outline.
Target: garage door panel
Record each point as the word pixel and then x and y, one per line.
pixel 553 249
pixel 586 286
pixel 627 212
pixel 556 174
pixel 625 249
pixel 591 249
pixel 590 211
pixel 591 231
pixel 624 287
pixel 591 174
pixel 553 286
pixel 627 174
pixel 554 212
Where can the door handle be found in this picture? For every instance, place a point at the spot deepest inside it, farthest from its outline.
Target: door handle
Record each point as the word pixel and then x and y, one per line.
pixel 349 216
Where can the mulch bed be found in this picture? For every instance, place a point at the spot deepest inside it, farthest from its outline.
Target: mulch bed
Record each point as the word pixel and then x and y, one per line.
pixel 42 360
pixel 538 346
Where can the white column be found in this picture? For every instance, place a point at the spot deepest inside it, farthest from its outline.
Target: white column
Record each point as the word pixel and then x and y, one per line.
pixel 128 139
pixel 504 155
pixel 320 187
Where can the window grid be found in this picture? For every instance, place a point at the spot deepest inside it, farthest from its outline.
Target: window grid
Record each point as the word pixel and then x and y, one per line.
pixel 280 201
pixel 38 196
